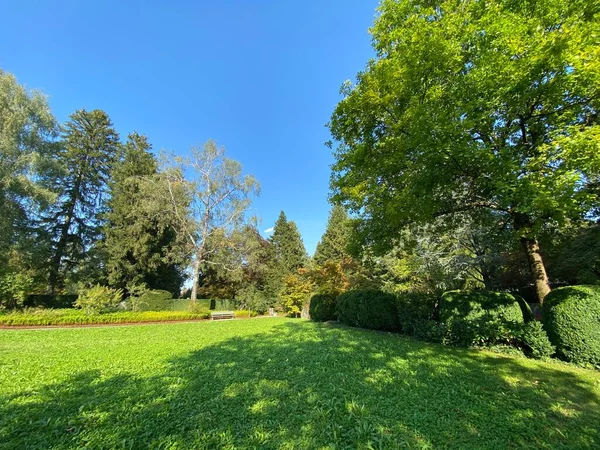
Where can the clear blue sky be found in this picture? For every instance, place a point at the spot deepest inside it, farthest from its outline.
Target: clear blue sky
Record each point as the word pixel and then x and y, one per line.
pixel 259 77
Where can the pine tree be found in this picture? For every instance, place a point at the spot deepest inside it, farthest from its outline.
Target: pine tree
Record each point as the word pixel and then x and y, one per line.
pixel 90 149
pixel 140 240
pixel 333 246
pixel 287 253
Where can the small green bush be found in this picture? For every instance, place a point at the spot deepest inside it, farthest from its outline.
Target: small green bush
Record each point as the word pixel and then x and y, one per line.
pixel 98 299
pixel 13 289
pixel 323 307
pixel 244 313
pixel 535 342
pixel 416 313
pixel 368 308
pixel 571 316
pixel 480 317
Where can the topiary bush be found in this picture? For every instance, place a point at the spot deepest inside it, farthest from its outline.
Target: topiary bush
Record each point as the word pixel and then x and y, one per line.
pixel 571 316
pixel 368 308
pixel 323 307
pixel 480 317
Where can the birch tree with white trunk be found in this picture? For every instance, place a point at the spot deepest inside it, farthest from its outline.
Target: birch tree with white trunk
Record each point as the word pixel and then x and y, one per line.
pixel 209 195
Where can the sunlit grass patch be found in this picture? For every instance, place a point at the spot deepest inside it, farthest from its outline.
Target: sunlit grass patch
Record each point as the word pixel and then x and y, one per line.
pixel 281 383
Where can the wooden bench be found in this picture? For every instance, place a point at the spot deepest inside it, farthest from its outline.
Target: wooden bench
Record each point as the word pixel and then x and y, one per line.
pixel 218 315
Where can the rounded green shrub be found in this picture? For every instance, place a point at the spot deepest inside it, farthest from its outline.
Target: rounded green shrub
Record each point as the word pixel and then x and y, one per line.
pixel 368 308
pixel 323 307
pixel 480 317
pixel 571 316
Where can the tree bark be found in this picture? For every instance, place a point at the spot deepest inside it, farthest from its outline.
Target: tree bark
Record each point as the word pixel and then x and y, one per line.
pixel 536 265
pixel 195 278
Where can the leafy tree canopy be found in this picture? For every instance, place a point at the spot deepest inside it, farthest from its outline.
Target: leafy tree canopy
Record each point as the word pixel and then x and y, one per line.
pixel 473 105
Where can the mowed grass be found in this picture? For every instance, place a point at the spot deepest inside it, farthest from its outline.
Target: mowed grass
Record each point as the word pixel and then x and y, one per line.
pixel 281 383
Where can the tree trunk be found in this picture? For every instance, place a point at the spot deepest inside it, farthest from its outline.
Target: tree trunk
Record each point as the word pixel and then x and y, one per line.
pixel 54 276
pixel 536 265
pixel 195 278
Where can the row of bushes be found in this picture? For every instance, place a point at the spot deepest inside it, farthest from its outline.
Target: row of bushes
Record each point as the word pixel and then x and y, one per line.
pixel 70 316
pixel 151 300
pixel 481 318
pixel 43 317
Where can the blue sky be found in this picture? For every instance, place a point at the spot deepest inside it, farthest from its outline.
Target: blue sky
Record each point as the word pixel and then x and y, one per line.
pixel 259 77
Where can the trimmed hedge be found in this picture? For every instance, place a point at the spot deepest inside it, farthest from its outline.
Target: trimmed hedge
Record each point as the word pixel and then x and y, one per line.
pixel 50 300
pixel 416 312
pixel 572 319
pixel 323 307
pixel 368 308
pixel 480 317
pixel 155 300
pixel 77 317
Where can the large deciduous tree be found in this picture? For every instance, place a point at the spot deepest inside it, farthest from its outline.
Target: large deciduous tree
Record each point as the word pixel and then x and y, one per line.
pixel 90 147
pixel 27 133
pixel 219 197
pixel 474 105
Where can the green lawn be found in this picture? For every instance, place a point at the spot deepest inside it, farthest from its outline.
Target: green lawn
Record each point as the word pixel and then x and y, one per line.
pixel 281 383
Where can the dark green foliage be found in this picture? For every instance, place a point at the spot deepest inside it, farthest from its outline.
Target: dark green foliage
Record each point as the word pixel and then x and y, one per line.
pixel 415 311
pixel 525 308
pixel 90 149
pixel 50 301
pixel 140 238
pixel 323 307
pixel 575 257
pixel 480 317
pixel 286 254
pixel 155 300
pixel 535 340
pixel 572 319
pixel 368 308
pixel 333 246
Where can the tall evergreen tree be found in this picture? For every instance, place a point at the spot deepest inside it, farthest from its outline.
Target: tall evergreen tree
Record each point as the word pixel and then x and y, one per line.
pixel 287 253
pixel 333 246
pixel 140 240
pixel 90 149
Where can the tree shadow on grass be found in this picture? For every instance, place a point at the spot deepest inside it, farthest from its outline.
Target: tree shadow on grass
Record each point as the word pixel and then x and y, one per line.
pixel 306 385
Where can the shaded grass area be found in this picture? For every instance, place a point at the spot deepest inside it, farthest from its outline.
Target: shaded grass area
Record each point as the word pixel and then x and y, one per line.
pixel 70 316
pixel 281 383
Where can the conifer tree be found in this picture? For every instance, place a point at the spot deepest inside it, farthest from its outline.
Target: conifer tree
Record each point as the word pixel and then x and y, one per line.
pixel 90 149
pixel 333 246
pixel 287 253
pixel 140 240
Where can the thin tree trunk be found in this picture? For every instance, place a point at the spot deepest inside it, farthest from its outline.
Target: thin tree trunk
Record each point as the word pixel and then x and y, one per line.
pixel 53 279
pixel 195 279
pixel 536 265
